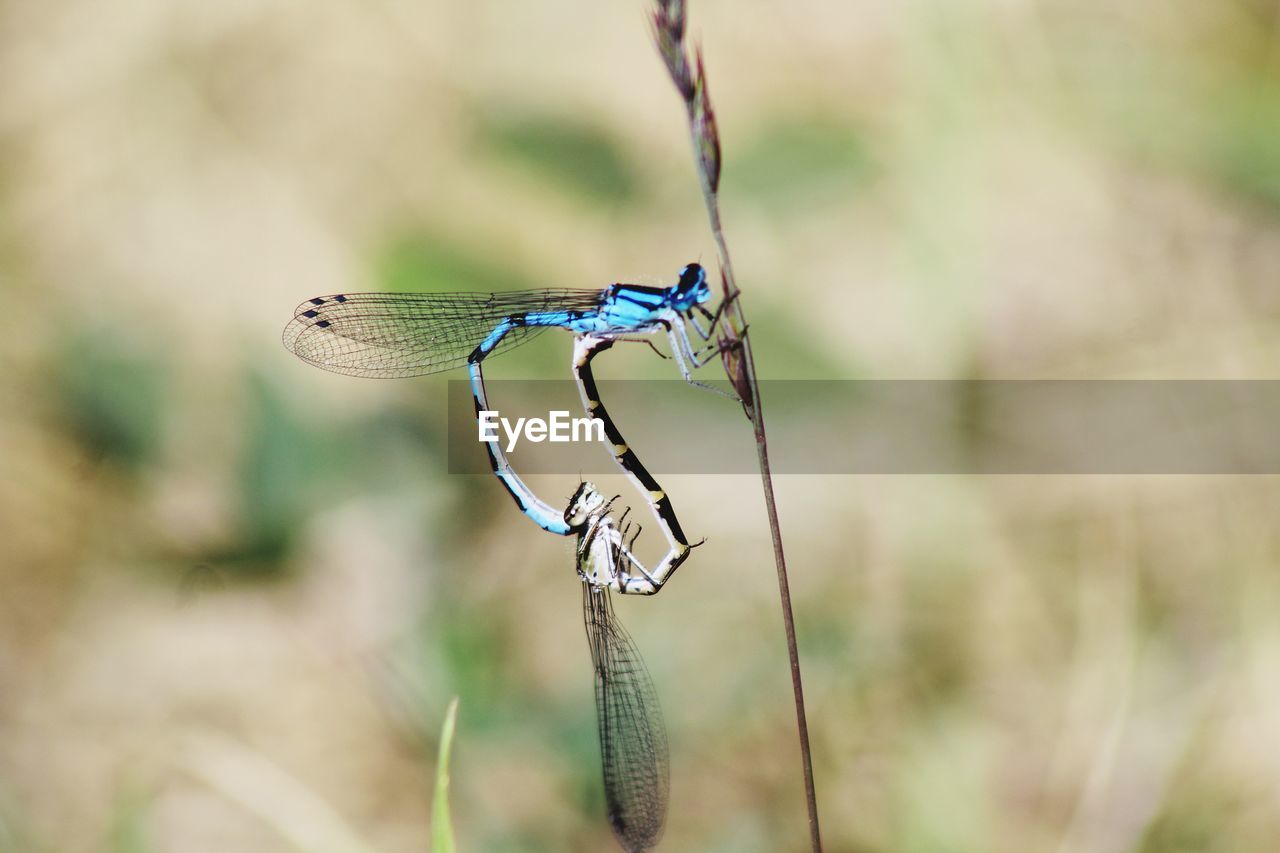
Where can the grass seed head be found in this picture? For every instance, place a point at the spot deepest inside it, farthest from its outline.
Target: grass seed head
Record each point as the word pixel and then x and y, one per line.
pixel 706 136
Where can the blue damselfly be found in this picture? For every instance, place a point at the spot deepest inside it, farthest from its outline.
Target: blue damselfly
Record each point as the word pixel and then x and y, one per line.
pixel 415 334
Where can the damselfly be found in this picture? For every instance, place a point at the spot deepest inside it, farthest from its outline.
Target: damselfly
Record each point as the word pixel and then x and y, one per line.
pixel 383 334
pixel 414 334
pixel 633 741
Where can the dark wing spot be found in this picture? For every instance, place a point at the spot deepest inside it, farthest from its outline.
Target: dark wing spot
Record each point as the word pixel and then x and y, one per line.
pixel 317 301
pixel 324 324
pixel 312 313
pixel 340 298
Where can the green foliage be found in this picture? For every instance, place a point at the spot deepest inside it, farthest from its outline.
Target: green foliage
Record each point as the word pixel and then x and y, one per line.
pixel 13 837
pixel 1211 118
pixel 422 261
pixel 571 727
pixel 788 349
pixel 281 463
pixel 127 833
pixel 473 647
pixel 441 825
pixel 941 779
pixel 1244 149
pixel 574 155
pixel 795 160
pixel 112 395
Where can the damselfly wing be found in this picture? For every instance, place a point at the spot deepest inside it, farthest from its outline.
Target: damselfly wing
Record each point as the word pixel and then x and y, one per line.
pixel 415 334
pixel 633 740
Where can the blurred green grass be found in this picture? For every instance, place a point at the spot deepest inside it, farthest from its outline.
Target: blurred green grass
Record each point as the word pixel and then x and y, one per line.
pixel 441 825
pixel 570 154
pixel 798 164
pixel 111 393
pixel 423 261
pixel 128 832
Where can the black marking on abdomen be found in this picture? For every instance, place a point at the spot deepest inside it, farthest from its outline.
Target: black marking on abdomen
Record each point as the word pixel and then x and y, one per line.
pixel 632 463
pixel 628 458
pixel 663 507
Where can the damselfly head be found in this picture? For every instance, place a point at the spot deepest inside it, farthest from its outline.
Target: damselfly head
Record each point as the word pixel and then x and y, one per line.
pixel 692 288
pixel 585 503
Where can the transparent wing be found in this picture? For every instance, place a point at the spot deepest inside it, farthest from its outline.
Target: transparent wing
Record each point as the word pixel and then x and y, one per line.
pixel 633 740
pixel 413 334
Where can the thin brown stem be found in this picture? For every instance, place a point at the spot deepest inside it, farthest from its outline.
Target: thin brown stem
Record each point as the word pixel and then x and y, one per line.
pixel 669 28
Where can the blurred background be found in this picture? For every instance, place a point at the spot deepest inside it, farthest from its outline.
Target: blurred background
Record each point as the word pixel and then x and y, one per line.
pixel 237 593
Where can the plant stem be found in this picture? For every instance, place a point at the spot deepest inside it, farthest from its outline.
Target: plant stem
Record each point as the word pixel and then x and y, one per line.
pixel 738 321
pixel 669 27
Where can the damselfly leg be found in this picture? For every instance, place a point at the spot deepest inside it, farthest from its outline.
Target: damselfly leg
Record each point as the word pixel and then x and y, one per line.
pixel 687 359
pixel 606 556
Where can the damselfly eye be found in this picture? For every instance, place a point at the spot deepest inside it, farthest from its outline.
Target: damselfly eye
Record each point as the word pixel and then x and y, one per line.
pixel 692 287
pixel 691 277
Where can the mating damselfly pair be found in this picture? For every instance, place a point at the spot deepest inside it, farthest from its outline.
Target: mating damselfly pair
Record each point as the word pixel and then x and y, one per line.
pixel 399 335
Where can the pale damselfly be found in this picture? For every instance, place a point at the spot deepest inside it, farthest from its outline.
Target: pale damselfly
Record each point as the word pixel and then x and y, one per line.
pixel 633 740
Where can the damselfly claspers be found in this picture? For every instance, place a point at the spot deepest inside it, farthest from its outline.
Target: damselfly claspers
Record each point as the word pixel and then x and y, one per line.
pixel 633 741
